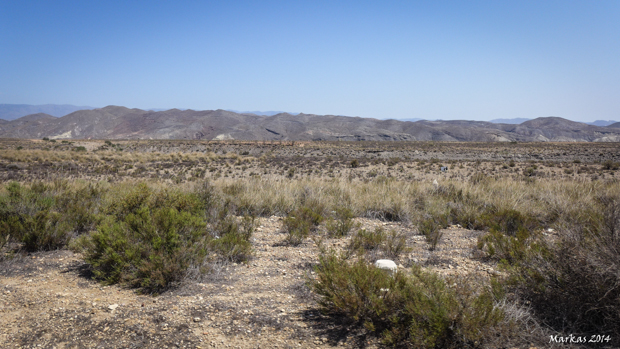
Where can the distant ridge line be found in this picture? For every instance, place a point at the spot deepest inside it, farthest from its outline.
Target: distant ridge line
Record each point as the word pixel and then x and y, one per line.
pixel 117 122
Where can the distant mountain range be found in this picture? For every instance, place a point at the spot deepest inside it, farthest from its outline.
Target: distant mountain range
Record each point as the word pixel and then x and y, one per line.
pixel 15 111
pixel 115 122
pixel 509 121
pixel 263 113
pixel 522 120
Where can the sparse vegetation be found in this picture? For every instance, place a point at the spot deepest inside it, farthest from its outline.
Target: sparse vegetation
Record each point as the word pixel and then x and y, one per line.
pixel 149 216
pixel 416 309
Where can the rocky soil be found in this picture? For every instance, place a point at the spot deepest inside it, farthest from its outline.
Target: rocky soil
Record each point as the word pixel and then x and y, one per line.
pixel 49 300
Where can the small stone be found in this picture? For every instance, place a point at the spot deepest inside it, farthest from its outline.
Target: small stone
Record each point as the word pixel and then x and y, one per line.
pixel 196 319
pixel 113 306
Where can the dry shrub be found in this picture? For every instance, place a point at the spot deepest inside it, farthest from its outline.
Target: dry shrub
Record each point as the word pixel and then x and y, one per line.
pixel 574 285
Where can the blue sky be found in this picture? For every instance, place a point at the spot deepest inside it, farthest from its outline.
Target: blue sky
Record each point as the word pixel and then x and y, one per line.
pixel 384 59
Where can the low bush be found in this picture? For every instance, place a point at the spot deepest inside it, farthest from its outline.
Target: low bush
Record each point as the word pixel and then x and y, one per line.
pixel 509 249
pixel 233 239
pixel 408 310
pixel 45 231
pixel 610 165
pixel 301 222
pixel 367 240
pixel 431 227
pixel 467 214
pixel 511 236
pixel 146 241
pixel 29 216
pixel 80 208
pixel 395 245
pixel 342 224
pixel 508 221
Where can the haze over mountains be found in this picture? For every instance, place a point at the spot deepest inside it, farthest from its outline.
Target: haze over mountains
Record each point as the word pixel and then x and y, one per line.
pixel 114 122
pixel 15 111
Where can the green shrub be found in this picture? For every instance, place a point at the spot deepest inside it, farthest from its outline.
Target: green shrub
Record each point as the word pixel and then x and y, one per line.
pixel 233 240
pixel 395 244
pixel 151 247
pixel 300 222
pixel 80 208
pixel 509 249
pixel 44 231
pixel 147 239
pixel 28 215
pixel 416 310
pixel 342 224
pixel 467 214
pixel 508 221
pixel 366 240
pixel 431 229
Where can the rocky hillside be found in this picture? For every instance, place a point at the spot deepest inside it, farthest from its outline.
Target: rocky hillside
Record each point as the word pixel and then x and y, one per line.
pixel 115 122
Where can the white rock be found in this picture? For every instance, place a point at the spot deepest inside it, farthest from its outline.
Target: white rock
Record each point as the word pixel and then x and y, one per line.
pixel 387 265
pixel 113 306
pixel 435 183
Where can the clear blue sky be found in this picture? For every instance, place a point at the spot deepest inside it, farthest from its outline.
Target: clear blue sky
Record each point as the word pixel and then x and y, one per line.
pixel 385 59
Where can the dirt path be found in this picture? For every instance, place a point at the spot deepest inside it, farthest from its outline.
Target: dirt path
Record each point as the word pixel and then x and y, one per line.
pixel 48 300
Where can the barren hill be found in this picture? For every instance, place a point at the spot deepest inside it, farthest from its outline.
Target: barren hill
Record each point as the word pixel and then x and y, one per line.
pixel 114 122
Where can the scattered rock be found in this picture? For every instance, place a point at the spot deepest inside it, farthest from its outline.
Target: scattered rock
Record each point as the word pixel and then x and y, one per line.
pixel 387 265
